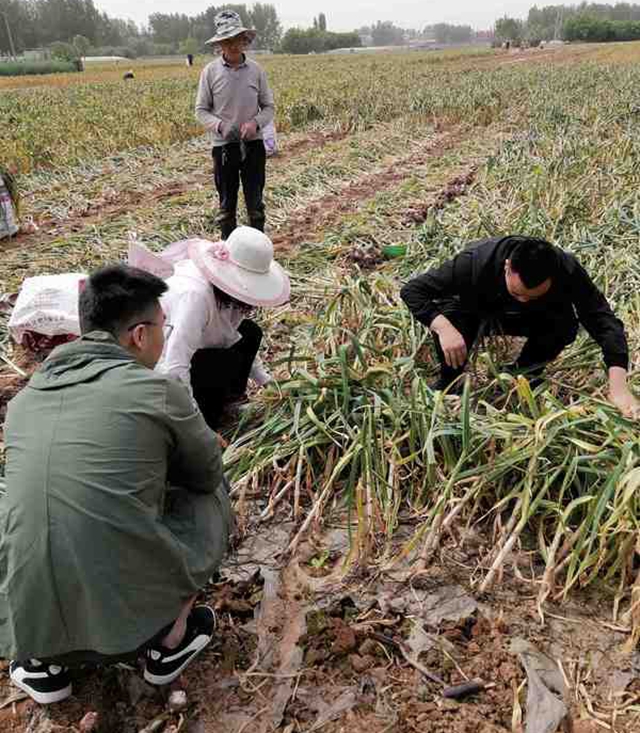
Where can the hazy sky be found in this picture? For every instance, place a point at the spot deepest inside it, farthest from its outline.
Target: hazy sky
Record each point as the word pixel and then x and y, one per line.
pixel 343 15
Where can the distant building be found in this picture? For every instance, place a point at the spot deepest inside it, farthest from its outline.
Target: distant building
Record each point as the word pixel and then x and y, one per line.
pixel 416 44
pixel 36 54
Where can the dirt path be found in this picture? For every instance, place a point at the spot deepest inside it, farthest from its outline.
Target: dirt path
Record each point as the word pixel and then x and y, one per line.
pixel 307 223
pixel 441 185
pixel 307 645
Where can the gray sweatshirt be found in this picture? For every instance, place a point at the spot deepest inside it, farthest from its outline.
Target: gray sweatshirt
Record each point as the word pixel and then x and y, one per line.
pixel 228 95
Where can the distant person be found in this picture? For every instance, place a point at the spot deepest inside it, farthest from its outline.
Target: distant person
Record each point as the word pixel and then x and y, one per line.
pixel 128 75
pixel 235 104
pixel 518 286
pixel 189 59
pixel 116 513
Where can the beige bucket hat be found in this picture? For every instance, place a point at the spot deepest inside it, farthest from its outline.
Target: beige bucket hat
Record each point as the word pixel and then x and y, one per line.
pixel 243 267
pixel 228 24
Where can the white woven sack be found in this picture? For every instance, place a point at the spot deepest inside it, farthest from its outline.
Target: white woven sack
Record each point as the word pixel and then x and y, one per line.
pixel 48 305
pixel 8 223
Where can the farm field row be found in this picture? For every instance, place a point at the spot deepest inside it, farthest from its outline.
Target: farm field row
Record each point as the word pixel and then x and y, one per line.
pixel 54 126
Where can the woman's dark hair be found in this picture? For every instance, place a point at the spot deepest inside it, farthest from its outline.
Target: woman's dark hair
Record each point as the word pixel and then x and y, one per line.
pixel 116 296
pixel 228 301
pixel 534 260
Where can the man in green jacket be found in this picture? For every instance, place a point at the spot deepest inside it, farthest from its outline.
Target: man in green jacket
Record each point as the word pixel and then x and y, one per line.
pixel 117 511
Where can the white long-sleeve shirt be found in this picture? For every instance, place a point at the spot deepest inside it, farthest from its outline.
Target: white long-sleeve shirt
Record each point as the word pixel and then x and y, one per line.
pixel 190 306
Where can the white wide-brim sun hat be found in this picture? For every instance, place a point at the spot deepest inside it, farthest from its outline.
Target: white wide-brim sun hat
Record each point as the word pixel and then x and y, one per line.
pixel 243 267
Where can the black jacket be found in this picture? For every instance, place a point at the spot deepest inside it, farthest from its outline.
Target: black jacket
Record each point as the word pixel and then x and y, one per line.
pixel 476 279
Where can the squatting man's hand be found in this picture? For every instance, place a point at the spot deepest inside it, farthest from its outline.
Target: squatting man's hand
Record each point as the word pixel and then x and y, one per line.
pixel 452 342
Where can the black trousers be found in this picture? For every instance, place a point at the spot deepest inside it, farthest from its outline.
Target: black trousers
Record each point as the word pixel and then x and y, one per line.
pixel 229 169
pixel 547 334
pixel 220 376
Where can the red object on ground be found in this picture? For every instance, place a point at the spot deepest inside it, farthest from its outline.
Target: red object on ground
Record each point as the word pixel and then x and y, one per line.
pixel 38 342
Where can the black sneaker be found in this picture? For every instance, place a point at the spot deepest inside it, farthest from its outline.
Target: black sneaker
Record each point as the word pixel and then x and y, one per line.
pixel 164 665
pixel 45 683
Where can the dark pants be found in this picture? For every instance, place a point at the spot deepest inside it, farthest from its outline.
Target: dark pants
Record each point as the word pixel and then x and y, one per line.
pixel 220 376
pixel 228 170
pixel 547 334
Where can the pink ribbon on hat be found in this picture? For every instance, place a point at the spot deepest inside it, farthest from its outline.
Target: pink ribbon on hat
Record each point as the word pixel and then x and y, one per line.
pixel 220 252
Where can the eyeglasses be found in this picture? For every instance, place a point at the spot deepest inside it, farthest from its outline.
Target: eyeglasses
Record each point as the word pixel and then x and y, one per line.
pixel 167 328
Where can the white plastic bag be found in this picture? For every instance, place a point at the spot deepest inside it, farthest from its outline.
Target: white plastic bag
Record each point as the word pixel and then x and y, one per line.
pixel 8 223
pixel 47 305
pixel 270 139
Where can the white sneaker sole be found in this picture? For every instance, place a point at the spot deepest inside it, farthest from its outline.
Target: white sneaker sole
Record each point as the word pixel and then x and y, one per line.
pixel 200 643
pixel 44 698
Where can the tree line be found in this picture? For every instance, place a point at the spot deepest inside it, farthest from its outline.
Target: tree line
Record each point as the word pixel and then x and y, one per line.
pixel 72 28
pixel 38 23
pixel 77 27
pixel 583 22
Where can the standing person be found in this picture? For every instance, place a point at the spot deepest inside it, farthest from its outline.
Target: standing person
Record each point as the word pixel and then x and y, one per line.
pixel 116 512
pixel 213 347
pixel 520 286
pixel 234 103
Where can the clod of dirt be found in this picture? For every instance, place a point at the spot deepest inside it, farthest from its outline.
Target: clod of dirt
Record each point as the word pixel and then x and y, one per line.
pixel 177 700
pixel 456 187
pixel 366 256
pixel 344 638
pixel 88 723
pixel 361 664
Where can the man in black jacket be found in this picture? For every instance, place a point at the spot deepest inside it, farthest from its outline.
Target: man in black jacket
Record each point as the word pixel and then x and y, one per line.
pixel 519 286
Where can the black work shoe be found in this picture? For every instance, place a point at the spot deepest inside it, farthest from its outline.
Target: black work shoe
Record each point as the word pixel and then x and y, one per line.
pixel 164 665
pixel 43 682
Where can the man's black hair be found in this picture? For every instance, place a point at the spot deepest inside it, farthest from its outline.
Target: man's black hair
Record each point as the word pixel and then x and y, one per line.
pixel 117 296
pixel 535 260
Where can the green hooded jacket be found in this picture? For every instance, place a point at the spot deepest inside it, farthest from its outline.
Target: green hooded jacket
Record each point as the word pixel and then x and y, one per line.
pixel 97 553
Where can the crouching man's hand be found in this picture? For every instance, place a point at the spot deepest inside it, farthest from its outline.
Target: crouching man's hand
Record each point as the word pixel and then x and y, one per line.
pixel 620 395
pixel 451 341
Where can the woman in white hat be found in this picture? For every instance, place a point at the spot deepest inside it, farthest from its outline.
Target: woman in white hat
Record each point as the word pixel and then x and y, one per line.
pixel 213 345
pixel 235 105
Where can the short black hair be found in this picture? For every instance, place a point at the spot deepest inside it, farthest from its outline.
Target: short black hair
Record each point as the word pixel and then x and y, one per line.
pixel 115 296
pixel 535 260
